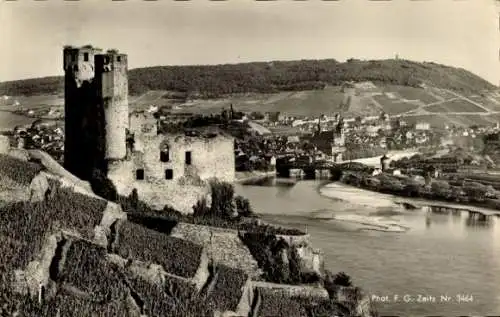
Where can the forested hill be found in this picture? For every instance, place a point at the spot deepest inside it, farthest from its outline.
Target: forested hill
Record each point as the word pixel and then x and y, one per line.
pixel 266 77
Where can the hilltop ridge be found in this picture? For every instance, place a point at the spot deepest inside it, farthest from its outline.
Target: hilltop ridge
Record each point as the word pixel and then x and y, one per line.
pixel 214 81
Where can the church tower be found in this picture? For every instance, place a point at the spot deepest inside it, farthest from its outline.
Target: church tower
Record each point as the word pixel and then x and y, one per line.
pixel 339 133
pixel 338 146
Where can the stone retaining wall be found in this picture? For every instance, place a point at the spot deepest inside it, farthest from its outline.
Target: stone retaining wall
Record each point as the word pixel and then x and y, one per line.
pixel 293 290
pixel 223 246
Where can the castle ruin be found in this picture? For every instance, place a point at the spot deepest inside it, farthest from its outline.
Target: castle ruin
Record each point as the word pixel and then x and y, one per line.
pixel 100 135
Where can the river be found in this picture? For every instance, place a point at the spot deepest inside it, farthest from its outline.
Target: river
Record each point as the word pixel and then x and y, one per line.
pixel 417 256
pixel 9 120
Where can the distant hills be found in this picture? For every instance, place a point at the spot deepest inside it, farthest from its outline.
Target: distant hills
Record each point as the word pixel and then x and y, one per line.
pixel 205 82
pixel 450 96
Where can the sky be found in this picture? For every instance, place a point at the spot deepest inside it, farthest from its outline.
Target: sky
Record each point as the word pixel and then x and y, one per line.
pixel 462 33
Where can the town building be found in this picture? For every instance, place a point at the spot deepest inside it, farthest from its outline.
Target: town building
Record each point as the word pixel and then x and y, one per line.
pixel 373 130
pixel 422 126
pixel 365 86
pixel 175 117
pixel 165 169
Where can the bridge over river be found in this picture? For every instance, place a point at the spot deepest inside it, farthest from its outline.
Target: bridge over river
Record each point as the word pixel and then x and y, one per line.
pixel 285 167
pixel 308 170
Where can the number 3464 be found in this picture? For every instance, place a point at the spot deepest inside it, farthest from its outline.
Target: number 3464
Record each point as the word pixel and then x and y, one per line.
pixel 464 298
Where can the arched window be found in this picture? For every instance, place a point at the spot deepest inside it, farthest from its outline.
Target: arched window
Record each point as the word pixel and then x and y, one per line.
pixel 41 294
pixel 164 155
pixel 164 152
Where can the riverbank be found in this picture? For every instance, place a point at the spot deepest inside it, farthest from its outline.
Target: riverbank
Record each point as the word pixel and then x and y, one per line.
pixel 377 199
pixel 372 214
pixel 254 176
pixel 419 203
pixel 413 262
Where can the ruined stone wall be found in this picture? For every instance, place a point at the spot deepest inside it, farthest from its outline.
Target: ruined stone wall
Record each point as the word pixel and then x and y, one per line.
pixel 55 168
pixel 143 123
pixel 121 173
pixel 180 197
pixel 214 158
pixel 112 213
pixel 155 193
pixel 311 259
pixel 303 291
pixel 4 144
pixel 156 273
pixel 37 271
pixel 210 157
pixel 28 280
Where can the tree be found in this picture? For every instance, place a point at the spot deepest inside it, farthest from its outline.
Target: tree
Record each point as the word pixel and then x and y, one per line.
pixel 441 189
pixel 201 208
pixel 456 193
pixel 412 189
pixel 222 199
pixel 390 183
pixel 333 281
pixel 256 115
pixel 475 191
pixel 243 206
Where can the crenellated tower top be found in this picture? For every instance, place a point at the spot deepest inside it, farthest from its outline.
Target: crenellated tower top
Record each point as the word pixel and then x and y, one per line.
pixel 78 63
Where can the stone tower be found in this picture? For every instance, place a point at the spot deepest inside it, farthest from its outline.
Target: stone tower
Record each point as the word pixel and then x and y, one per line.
pixel 80 109
pixel 96 109
pixel 112 94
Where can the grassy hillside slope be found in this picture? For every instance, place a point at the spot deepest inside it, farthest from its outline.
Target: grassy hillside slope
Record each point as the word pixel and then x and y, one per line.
pixel 451 96
pixel 219 80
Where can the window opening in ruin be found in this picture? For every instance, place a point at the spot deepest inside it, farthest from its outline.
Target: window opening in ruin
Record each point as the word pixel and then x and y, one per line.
pixel 169 174
pixel 118 58
pixel 188 158
pixel 41 294
pixel 139 174
pixel 164 156
pixel 85 57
